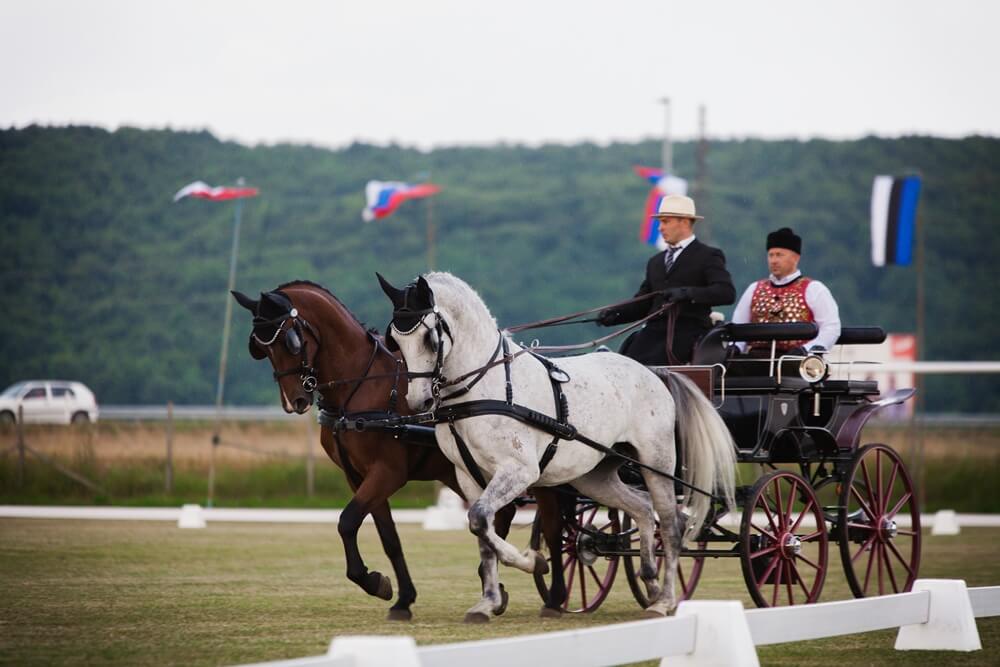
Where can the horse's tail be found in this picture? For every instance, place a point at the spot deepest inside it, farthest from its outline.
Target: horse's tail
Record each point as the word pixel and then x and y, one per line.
pixel 708 453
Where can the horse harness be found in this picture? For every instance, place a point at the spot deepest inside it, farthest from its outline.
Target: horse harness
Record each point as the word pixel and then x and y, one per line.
pixel 558 427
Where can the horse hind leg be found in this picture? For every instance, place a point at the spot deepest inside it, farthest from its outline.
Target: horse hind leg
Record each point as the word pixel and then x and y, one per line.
pixel 671 535
pixel 603 485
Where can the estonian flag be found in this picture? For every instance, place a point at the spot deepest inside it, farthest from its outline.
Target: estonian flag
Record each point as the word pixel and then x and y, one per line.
pixel 894 219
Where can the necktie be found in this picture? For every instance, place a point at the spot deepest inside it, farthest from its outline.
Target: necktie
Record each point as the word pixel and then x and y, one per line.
pixel 668 259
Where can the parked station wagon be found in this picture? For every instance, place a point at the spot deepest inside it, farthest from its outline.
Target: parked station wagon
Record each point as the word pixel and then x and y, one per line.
pixel 48 402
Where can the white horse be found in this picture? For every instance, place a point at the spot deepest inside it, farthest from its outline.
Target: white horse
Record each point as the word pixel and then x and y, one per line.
pixel 444 330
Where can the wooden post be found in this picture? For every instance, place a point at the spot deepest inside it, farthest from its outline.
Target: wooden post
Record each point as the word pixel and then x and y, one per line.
pixel 310 459
pixel 169 472
pixel 20 446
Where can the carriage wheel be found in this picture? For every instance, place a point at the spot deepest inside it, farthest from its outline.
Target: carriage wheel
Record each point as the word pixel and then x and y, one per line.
pixel 879 524
pixel 783 541
pixel 687 581
pixel 588 575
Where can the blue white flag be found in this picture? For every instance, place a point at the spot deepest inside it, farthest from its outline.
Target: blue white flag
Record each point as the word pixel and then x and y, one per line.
pixel 894 219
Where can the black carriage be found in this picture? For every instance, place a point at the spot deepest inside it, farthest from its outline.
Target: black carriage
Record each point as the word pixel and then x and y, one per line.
pixel 818 483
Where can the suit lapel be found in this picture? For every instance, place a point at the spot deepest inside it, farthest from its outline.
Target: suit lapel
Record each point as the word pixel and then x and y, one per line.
pixel 686 256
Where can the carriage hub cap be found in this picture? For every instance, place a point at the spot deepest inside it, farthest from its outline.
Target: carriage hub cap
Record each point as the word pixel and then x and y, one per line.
pixel 889 528
pixel 792 545
pixel 586 550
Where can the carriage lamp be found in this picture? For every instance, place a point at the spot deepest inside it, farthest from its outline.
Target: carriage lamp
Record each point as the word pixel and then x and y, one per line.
pixel 813 369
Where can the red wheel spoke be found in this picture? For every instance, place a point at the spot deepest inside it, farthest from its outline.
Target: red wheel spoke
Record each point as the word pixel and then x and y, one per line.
pixel 868 486
pixel 778 504
pixel 802 515
pixel 861 501
pixel 777 583
pixel 789 575
pixel 878 556
pixel 808 562
pixel 767 513
pixel 878 480
pixel 802 582
pixel 911 533
pixel 568 562
pixel 889 570
pixel 764 552
pixel 898 506
pixel 865 526
pixel 868 570
pixel 812 536
pixel 766 573
pixel 902 561
pixel 889 485
pixel 597 579
pixel 791 500
pixel 773 536
pixel 864 546
pixel 583 586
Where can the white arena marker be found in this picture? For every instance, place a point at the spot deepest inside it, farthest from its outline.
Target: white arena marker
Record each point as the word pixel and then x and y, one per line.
pixel 372 651
pixel 448 514
pixel 950 624
pixel 945 523
pixel 722 636
pixel 191 517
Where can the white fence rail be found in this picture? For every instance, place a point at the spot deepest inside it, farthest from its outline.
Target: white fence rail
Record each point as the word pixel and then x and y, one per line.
pixel 938 615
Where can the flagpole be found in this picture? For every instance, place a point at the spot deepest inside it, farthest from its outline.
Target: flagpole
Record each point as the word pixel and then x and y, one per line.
pixel 667 149
pixel 919 407
pixel 220 386
pixel 430 234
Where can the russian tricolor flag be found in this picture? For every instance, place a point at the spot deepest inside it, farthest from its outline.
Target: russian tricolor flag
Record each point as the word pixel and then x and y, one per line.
pixel 383 197
pixel 663 185
pixel 221 193
pixel 894 219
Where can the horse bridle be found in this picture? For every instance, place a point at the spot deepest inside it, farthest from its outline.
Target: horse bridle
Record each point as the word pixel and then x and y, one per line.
pixel 295 343
pixel 440 329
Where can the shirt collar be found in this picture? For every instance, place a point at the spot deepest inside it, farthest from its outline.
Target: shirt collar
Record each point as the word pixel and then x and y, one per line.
pixel 683 244
pixel 787 279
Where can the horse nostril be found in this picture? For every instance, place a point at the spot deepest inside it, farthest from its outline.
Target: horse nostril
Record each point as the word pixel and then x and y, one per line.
pixel 301 405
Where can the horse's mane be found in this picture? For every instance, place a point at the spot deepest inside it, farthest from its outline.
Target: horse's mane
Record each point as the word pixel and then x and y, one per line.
pixel 309 283
pixel 449 288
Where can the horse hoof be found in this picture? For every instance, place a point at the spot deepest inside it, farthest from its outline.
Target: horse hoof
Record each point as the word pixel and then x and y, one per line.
pixel 549 612
pixel 476 617
pixel 399 615
pixel 384 591
pixel 504 599
pixel 541 565
pixel 653 613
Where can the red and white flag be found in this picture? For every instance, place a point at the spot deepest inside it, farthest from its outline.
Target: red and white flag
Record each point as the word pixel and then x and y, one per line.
pixel 221 193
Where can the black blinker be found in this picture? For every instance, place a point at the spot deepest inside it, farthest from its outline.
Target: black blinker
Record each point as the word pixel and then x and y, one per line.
pixel 293 341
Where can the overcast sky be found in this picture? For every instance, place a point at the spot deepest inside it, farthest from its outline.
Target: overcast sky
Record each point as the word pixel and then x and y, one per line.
pixel 426 73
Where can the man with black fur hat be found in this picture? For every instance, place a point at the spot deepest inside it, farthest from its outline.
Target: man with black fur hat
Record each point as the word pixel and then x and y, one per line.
pixel 788 296
pixel 688 273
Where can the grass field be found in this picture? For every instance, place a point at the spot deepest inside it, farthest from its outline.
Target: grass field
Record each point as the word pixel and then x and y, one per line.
pixel 136 593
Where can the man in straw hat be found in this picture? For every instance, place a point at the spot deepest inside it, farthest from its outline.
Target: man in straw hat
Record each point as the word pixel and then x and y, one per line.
pixel 687 273
pixel 788 296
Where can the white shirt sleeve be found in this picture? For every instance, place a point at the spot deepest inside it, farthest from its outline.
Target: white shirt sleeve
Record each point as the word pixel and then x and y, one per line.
pixel 741 315
pixel 827 315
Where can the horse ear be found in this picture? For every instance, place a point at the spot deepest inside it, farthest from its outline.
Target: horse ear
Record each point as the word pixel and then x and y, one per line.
pixel 424 290
pixel 395 295
pixel 245 301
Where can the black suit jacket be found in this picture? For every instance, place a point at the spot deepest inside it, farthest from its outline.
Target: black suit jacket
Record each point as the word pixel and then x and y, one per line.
pixel 699 268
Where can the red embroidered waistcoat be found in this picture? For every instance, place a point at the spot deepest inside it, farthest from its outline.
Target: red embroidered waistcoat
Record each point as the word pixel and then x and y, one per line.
pixel 772 304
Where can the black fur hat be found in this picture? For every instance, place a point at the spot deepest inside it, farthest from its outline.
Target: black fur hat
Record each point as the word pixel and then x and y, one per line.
pixel 785 238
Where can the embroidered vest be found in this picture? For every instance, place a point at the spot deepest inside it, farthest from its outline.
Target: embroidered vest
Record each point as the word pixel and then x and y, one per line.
pixel 772 304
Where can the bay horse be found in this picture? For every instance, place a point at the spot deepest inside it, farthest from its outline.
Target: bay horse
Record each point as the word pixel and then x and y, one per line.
pixel 447 334
pixel 317 346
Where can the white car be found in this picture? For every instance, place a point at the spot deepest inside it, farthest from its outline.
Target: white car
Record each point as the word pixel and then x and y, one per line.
pixel 48 402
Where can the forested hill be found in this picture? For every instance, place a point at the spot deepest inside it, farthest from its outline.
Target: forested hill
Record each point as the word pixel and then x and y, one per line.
pixel 105 280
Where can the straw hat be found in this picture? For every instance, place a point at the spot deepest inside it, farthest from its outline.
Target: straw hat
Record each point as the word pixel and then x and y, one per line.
pixel 676 206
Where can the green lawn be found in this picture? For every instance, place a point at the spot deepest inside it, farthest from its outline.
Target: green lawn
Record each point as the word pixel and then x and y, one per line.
pixel 137 593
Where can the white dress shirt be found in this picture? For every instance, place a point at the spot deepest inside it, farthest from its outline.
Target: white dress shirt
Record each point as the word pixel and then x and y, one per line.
pixel 820 302
pixel 680 247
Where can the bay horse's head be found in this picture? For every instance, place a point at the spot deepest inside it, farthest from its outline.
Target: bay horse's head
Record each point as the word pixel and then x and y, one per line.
pixel 282 334
pixel 422 334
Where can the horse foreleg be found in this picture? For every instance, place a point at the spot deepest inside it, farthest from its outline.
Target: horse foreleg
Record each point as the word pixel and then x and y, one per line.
pixel 508 483
pixel 494 598
pixel 394 551
pixel 372 492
